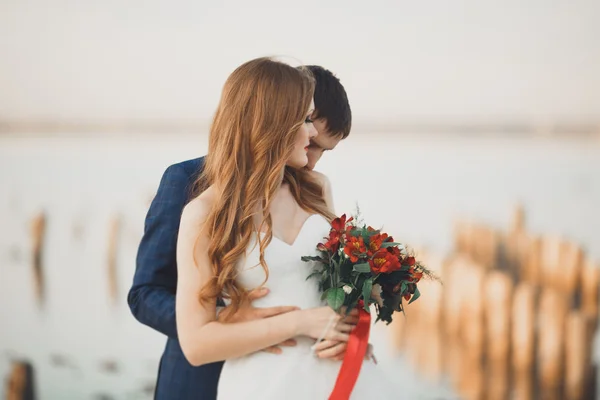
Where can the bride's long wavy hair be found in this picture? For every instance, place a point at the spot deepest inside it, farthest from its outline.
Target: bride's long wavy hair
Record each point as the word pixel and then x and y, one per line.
pixel 263 104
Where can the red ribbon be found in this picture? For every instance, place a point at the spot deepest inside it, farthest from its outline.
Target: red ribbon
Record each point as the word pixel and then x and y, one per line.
pixel 355 354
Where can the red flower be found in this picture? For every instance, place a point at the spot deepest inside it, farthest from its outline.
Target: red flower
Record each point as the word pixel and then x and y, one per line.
pixel 395 251
pixel 339 224
pixel 410 261
pixel 355 247
pixel 414 275
pixel 333 243
pixel 384 262
pixel 375 242
pixel 338 228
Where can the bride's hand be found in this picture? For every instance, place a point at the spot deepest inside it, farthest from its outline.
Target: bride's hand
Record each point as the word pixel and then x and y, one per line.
pixel 337 350
pixel 247 312
pixel 324 323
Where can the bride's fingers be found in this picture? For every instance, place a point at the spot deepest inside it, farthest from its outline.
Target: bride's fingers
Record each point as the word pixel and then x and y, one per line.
pixel 324 345
pixel 277 349
pixel 273 350
pixel 257 293
pixel 353 313
pixel 351 320
pixel 369 352
pixel 346 328
pixel 370 355
pixel 339 336
pixel 288 343
pixel 333 352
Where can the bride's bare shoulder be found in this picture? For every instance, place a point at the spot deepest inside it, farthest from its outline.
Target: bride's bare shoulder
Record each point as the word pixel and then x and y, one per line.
pixel 321 178
pixel 326 186
pixel 196 211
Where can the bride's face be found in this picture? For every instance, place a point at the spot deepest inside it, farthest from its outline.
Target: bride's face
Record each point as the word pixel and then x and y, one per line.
pixel 307 131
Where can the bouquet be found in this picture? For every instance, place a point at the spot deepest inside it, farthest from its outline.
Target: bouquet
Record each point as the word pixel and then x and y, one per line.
pixel 361 265
pixel 358 266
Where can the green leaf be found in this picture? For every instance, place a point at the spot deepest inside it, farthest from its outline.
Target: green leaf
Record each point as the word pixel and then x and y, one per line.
pixel 355 232
pixel 389 244
pixel 362 267
pixel 335 298
pixel 403 287
pixel 366 290
pixel 312 258
pixel 315 273
pixel 415 296
pixel 335 263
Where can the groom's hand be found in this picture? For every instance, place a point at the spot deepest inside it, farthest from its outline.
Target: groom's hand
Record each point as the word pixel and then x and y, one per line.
pixel 247 312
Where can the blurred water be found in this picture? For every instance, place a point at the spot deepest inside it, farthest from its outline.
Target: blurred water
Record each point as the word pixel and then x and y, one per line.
pixel 414 185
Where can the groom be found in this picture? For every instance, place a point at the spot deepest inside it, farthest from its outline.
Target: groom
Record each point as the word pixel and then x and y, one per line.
pixel 152 296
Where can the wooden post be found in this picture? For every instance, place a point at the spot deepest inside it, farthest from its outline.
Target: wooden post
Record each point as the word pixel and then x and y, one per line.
pixel 552 257
pixel 459 233
pixel 430 329
pixel 20 384
pixel 523 341
pixel 470 242
pixel 578 360
pixel 38 231
pixel 113 238
pixel 498 311
pixel 533 264
pixel 590 285
pixel 492 248
pixel 451 310
pixel 517 224
pixel 516 252
pixel 472 333
pixel 412 339
pixel 572 259
pixel 477 243
pixel 551 343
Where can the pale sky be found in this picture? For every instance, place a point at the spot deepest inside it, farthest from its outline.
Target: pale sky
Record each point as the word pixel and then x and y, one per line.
pixel 399 60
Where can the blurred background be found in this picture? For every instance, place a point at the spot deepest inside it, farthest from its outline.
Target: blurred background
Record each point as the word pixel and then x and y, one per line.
pixel 482 120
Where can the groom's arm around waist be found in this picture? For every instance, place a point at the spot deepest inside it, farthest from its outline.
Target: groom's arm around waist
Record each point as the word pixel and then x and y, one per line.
pixel 152 296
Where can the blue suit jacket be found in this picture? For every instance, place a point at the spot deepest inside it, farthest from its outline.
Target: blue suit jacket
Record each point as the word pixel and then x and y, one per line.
pixel 152 296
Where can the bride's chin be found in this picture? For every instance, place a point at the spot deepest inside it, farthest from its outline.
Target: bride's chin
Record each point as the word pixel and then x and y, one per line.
pixel 298 163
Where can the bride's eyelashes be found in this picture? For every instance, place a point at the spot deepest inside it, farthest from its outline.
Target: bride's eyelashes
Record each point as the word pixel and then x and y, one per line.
pixel 308 120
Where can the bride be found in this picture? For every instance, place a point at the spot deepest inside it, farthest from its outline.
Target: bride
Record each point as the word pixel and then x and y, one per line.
pixel 258 212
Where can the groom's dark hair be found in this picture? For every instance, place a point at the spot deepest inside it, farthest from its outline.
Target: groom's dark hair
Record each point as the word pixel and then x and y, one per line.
pixel 331 102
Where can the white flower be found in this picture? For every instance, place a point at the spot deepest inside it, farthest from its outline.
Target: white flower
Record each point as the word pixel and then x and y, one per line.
pixel 376 294
pixel 347 289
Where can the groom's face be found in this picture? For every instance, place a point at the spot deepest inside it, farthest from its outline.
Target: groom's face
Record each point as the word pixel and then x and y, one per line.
pixel 324 141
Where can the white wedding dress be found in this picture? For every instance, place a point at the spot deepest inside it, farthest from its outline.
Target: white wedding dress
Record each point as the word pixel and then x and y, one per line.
pixel 296 374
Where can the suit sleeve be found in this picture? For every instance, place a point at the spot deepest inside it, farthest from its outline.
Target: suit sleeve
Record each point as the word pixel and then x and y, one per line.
pixel 152 295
